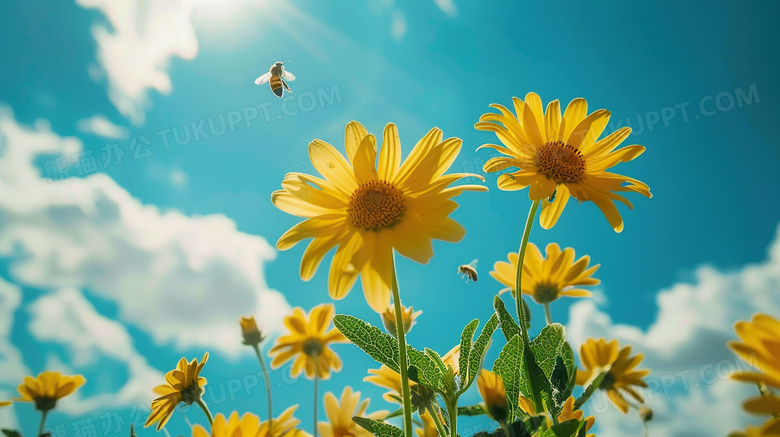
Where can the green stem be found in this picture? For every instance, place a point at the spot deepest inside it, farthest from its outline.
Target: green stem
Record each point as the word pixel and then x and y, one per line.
pixel 43 420
pixel 504 428
pixel 519 272
pixel 401 336
pixel 453 412
pixel 205 409
pixel 647 430
pixel 547 315
pixel 316 396
pixel 267 385
pixel 436 421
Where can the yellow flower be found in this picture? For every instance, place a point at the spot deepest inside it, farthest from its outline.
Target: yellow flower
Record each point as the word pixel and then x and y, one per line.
pixel 183 384
pixel 766 405
pixel 452 359
pixel 560 157
pixel 249 426
pixel 252 335
pixel 597 356
pixel 47 388
pixel 5 403
pixel 340 413
pixel 567 412
pixel 760 347
pixel 308 342
pixel 367 211
pixel 388 378
pixel 491 388
pixel 408 315
pixel 428 428
pixel 547 279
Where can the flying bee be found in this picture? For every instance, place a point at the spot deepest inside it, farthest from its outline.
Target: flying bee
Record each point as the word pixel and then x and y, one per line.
pixel 469 271
pixel 278 77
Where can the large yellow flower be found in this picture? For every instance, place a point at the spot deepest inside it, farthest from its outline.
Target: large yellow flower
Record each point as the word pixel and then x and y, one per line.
pixel 597 356
pixel 182 384
pixel 368 210
pixel 249 426
pixel 340 413
pixel 47 388
pixel 547 279
pixel 561 156
pixel 491 388
pixel 308 342
pixel 760 346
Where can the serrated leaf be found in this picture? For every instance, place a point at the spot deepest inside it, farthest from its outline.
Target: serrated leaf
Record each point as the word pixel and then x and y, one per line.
pixel 427 373
pixel 11 432
pixel 466 338
pixel 378 345
pixel 559 381
pixel 563 429
pixel 549 344
pixel 527 313
pixel 538 384
pixel 397 413
pixel 508 366
pixel 478 350
pixel 508 325
pixel 436 358
pixel 589 390
pixel 378 428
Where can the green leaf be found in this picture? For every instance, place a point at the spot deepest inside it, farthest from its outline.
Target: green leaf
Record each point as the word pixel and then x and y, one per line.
pixel 428 374
pixel 527 313
pixel 508 325
pixel 550 344
pixel 563 429
pixel 11 432
pixel 516 429
pixel 508 366
pixel 433 355
pixel 477 352
pixel 538 384
pixel 378 345
pixel 132 431
pixel 378 428
pixel 397 413
pixel 559 381
pixel 466 337
pixel 589 391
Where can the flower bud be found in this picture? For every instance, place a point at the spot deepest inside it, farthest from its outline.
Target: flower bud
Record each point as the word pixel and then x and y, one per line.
pixel 407 314
pixel 249 331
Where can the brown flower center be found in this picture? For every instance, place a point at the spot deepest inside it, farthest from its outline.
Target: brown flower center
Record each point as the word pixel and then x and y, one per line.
pixel 560 162
pixel 376 205
pixel 312 347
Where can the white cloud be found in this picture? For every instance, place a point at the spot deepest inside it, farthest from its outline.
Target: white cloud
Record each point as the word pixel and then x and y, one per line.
pixel 137 46
pixel 101 126
pixel 12 368
pixel 447 6
pixel 66 317
pixel 686 348
pixel 166 271
pixel 398 29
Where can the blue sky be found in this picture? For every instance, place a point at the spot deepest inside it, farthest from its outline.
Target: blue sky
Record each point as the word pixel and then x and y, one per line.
pixel 121 270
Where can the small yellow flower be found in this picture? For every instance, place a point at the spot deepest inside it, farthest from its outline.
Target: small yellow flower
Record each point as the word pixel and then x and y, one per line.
pixel 183 384
pixel 5 403
pixel 47 388
pixel 308 341
pixel 491 388
pixel 340 414
pixel 452 359
pixel 597 356
pixel 252 335
pixel 428 428
pixel 388 378
pixel 567 412
pixel 561 157
pixel 408 314
pixel 760 347
pixel 249 426
pixel 367 211
pixel 547 279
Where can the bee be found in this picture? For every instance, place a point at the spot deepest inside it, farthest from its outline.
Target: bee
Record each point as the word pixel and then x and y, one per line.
pixel 278 77
pixel 469 271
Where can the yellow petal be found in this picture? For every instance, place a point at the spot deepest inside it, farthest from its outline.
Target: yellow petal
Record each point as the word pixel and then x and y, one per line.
pixel 353 136
pixel 332 165
pixel 575 112
pixel 390 154
pixel 365 161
